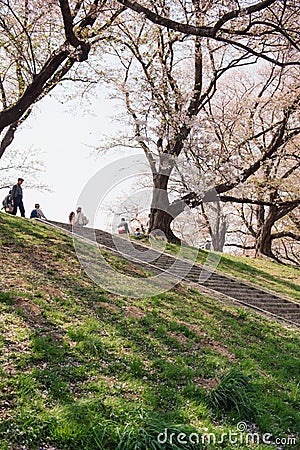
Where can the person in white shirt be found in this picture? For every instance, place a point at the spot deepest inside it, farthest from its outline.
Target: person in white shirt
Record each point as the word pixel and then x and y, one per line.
pixel 80 220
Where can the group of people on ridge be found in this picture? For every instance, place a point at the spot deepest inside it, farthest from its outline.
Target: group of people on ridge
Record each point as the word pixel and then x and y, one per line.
pixel 78 219
pixel 14 200
pixel 123 228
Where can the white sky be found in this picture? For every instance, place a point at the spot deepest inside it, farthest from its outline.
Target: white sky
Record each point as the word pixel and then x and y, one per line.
pixel 64 133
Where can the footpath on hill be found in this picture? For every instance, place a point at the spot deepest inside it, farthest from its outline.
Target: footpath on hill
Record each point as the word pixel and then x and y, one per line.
pixel 255 297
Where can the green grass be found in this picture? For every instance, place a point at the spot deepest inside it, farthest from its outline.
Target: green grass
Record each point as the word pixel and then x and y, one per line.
pixel 233 393
pixel 84 369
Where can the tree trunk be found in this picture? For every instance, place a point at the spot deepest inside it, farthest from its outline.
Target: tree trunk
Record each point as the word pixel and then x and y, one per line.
pixel 218 237
pixel 217 226
pixel 160 215
pixel 161 220
pixel 218 229
pixel 264 238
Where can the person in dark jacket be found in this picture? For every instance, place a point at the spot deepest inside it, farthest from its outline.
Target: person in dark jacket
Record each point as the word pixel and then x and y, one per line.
pixel 71 217
pixel 17 198
pixel 123 227
pixel 7 203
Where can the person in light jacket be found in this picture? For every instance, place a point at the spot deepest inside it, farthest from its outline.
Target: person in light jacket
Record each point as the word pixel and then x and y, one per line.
pixel 37 213
pixel 80 220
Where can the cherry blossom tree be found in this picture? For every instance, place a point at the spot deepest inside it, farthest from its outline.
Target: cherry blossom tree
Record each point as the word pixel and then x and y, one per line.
pixel 267 29
pixel 41 42
pixel 167 80
pixel 172 86
pixel 254 137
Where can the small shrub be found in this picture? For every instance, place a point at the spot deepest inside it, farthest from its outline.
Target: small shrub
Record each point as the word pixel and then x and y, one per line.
pixel 243 314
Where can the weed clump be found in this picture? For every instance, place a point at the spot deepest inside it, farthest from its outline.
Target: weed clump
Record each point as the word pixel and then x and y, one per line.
pixel 233 394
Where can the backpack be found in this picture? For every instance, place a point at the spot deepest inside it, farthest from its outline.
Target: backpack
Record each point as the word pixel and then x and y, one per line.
pixel 33 214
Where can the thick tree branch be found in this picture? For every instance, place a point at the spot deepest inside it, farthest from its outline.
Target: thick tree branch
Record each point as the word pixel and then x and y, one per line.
pixel 33 91
pixel 283 234
pixel 238 12
pixel 69 31
pixel 286 208
pixel 228 198
pixel 165 22
pixel 8 138
pixel 48 75
pixel 190 29
pixel 211 31
pixel 244 247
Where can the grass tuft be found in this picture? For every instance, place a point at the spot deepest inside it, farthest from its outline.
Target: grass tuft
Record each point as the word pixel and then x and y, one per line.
pixel 233 394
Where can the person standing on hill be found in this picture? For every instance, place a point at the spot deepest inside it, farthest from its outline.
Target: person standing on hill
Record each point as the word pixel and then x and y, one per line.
pixel 123 227
pixel 80 220
pixel 17 198
pixel 71 217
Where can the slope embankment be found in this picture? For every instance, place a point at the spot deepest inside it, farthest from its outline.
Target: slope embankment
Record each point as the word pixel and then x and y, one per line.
pixel 82 368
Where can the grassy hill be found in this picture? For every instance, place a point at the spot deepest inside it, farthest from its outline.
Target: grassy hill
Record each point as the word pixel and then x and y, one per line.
pixel 85 369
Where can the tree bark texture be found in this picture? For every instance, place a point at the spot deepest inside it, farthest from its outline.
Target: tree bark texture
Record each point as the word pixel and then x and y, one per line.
pixel 264 237
pixel 161 214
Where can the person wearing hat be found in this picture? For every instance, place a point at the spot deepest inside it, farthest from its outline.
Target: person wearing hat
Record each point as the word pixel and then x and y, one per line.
pixel 17 198
pixel 80 220
pixel 37 213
